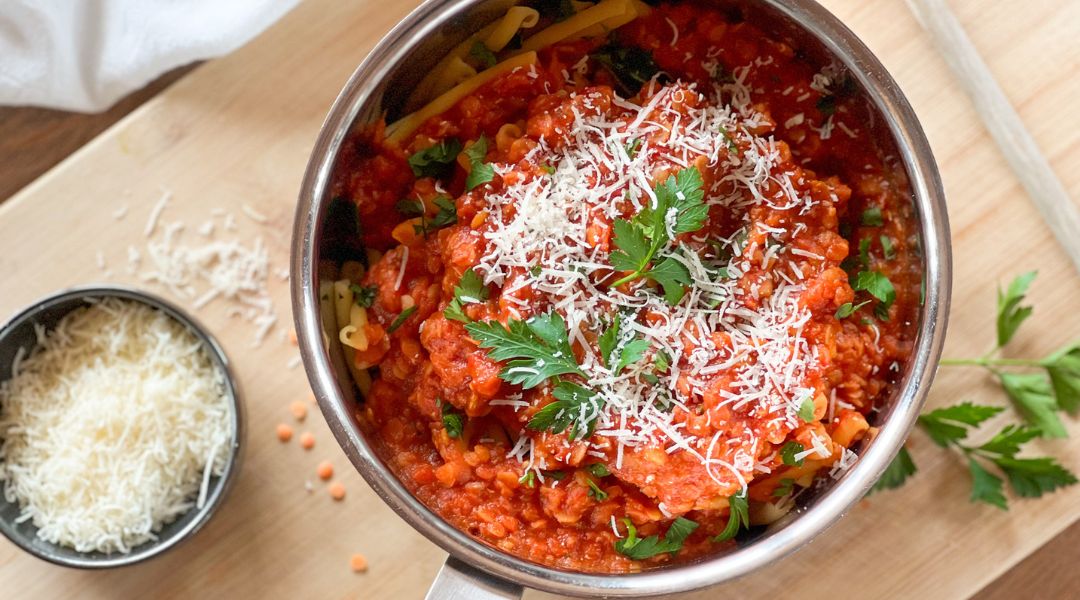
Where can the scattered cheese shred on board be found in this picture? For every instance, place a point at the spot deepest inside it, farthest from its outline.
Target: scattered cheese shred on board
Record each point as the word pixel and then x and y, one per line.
pixel 210 269
pixel 109 425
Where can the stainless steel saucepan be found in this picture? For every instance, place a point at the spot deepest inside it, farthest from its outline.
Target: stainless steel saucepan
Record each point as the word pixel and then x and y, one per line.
pixel 476 570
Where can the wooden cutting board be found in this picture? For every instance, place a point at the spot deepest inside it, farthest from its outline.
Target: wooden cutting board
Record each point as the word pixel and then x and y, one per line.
pixel 238 131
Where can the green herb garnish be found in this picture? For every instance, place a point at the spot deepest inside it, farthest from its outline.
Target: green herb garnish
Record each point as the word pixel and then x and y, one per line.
pixel 638 240
pixel 632 148
pixel 783 488
pixel 469 290
pixel 871 217
pixel 483 55
pixel 595 491
pixel 738 517
pixel 847 309
pixel 453 421
pixel 401 318
pixel 806 410
pixel 598 470
pixel 480 171
pixel 528 479
pixel 896 473
pixel 618 358
pixel 640 549
pixel 364 295
pixel 788 452
pixel 632 67
pixel 436 160
pixel 575 408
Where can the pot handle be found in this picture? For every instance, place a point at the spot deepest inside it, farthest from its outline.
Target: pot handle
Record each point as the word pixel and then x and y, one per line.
pixel 459 581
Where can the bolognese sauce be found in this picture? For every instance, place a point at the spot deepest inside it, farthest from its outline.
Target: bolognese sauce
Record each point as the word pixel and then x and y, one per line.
pixel 633 297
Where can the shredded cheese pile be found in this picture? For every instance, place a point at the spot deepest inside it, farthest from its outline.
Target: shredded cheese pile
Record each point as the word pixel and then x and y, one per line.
pixel 112 427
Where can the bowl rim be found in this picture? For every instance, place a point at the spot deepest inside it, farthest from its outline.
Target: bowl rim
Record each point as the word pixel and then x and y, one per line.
pixel 929 200
pixel 217 492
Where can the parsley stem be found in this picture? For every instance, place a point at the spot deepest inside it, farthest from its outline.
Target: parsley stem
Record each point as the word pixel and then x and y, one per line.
pixel 989 362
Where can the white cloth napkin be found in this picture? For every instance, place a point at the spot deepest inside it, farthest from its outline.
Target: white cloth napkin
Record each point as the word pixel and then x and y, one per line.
pixel 84 55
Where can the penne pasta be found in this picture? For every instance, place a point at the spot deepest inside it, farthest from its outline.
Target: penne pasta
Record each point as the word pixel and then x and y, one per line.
pixel 401 129
pixel 516 19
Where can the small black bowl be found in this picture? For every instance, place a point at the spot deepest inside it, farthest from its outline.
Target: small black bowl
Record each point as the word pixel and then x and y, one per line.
pixel 19 332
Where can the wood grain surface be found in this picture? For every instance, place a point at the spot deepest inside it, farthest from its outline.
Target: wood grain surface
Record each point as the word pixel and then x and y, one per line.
pixel 238 130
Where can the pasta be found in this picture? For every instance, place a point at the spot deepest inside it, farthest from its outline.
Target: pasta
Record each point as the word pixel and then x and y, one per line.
pixel 626 306
pixel 516 19
pixel 401 129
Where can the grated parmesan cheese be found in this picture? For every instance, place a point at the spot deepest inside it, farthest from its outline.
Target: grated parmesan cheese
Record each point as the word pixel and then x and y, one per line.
pixel 112 427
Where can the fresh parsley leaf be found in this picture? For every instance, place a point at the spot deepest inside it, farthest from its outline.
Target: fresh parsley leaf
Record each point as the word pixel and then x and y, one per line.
pixel 632 352
pixel 1033 477
pixel 1063 367
pixel 483 55
pixel 783 488
pixel 680 197
pixel 556 475
pixel 847 309
pixel 662 361
pixel 452 420
pixel 633 252
pixel 537 348
pixel 640 549
pixel 877 285
pixel 871 217
pixel 887 247
pixel 1009 313
pixel 598 470
pixel 479 172
pixel 401 318
pixel 896 473
pixel 1033 397
pixel 632 148
pixel 826 105
pixel 985 486
pixel 864 252
pixel 673 277
pixel 447 214
pixel 806 410
pixel 528 479
pixel 595 491
pixel 436 160
pixel 609 340
pixel 575 408
pixel 632 67
pixel 738 517
pixel 1007 442
pixel 949 425
pixel 364 295
pixel 788 452
pixel 469 290
pixel 410 207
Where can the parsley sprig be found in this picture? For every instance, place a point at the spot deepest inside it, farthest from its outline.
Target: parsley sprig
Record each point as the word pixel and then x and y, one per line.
pixel 575 408
pixel 1028 477
pixel 1043 387
pixel 480 172
pixel 679 208
pixel 469 290
pixel 641 548
pixel 616 356
pixel 738 517
pixel 1039 392
pixel 436 160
